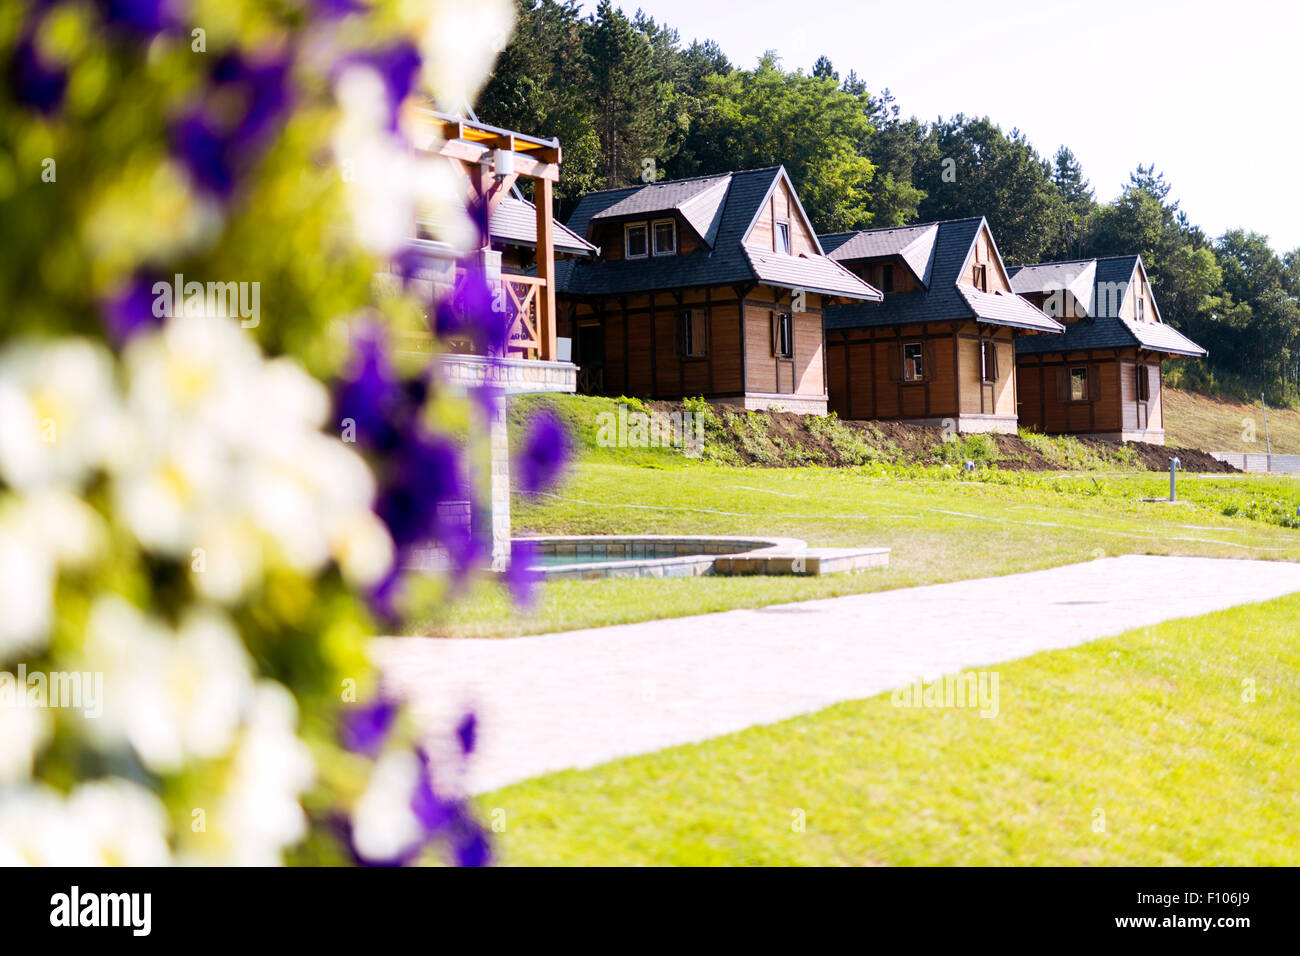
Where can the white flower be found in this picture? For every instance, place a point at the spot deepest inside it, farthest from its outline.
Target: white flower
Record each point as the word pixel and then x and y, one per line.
pixel 172 697
pixel 383 824
pixel 459 43
pixel 109 822
pixel 122 823
pixel 57 404
pixel 362 547
pixel 24 730
pixel 27 576
pixel 71 530
pixel 36 830
pixel 259 815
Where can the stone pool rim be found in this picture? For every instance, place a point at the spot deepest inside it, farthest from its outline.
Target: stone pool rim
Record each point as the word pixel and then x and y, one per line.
pixel 695 553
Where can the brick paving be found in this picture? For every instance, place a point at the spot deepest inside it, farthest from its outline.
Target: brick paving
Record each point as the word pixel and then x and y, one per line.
pixel 580 698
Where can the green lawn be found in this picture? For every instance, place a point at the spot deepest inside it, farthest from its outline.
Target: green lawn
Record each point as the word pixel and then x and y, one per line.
pixel 939 528
pixel 1150 728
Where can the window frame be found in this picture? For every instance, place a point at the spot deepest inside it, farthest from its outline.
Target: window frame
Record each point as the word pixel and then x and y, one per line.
pixel 887 277
pixel 1086 384
pixel 980 276
pixel 628 227
pixel 690 349
pixel 781 224
pixel 1140 307
pixel 653 245
pixel 1142 380
pixel 783 322
pixel 985 346
pixel 920 362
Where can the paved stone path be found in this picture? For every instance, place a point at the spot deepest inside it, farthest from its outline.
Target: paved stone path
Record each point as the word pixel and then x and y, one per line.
pixel 580 698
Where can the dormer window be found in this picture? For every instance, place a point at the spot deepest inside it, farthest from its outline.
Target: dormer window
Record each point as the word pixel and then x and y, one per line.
pixel 665 237
pixel 982 278
pixel 887 278
pixel 1141 308
pixel 635 241
pixel 782 238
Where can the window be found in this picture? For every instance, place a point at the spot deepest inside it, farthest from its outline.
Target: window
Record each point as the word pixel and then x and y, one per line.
pixel 665 237
pixel 634 241
pixel 982 278
pixel 783 335
pixel 913 363
pixel 1143 382
pixel 694 333
pixel 1079 384
pixel 783 237
pixel 988 362
pixel 1141 308
pixel 886 278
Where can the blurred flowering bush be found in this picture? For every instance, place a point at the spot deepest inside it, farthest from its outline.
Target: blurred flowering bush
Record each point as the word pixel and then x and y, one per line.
pixel 190 544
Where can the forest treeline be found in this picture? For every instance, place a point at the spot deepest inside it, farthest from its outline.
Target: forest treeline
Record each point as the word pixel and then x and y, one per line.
pixel 630 102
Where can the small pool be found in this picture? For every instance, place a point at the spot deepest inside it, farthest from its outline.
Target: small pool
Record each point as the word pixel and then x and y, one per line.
pixel 584 558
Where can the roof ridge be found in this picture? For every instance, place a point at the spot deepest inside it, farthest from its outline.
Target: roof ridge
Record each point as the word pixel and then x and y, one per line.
pixel 684 179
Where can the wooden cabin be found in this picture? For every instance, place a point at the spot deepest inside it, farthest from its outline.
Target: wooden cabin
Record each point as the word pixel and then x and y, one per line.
pixel 1102 377
pixel 940 348
pixel 711 286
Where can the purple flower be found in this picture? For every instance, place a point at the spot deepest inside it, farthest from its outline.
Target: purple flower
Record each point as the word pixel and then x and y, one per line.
pixel 467 733
pixel 365 728
pixel 218 139
pixel 382 407
pixel 470 844
pixel 130 310
pixel 398 66
pixel 37 83
pixel 146 17
pixel 544 453
pixel 470 309
pixel 422 474
pixel 336 9
pixel 522 576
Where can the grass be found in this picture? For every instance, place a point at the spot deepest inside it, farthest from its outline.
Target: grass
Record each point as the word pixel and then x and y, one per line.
pixel 1151 728
pixel 941 525
pixel 1193 420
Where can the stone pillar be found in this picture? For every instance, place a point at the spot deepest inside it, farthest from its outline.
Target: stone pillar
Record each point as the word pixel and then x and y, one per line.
pixel 499 482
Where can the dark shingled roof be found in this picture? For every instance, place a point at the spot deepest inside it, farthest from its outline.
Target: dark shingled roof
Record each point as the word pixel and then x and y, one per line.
pixel 913 244
pixel 515 221
pixel 1105 328
pixel 739 197
pixel 944 300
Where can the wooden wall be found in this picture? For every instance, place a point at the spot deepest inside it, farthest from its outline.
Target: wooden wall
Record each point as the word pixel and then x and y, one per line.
pixel 642 354
pixel 1044 378
pixel 984 254
pixel 781 206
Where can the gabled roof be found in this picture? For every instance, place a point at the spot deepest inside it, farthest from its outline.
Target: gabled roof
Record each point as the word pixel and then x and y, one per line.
pixel 514 221
pixel 1113 332
pixel 1103 328
pixel 913 244
pixel 1077 277
pixel 698 201
pixel 731 203
pixel 943 299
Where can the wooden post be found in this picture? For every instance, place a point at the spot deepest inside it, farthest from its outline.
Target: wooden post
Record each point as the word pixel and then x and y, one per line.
pixel 546 270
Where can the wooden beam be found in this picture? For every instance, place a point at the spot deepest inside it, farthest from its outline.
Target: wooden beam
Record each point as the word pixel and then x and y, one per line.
pixel 527 166
pixel 546 271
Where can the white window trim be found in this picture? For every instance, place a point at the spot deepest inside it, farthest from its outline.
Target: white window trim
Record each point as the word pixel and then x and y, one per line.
pixel 627 235
pixel 776 231
pixel 653 247
pixel 1087 385
pixel 920 346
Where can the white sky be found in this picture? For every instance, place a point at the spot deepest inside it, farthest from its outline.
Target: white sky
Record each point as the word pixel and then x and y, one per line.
pixel 1205 90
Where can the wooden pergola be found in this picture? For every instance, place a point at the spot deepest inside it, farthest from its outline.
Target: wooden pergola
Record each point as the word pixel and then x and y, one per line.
pixel 493 159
